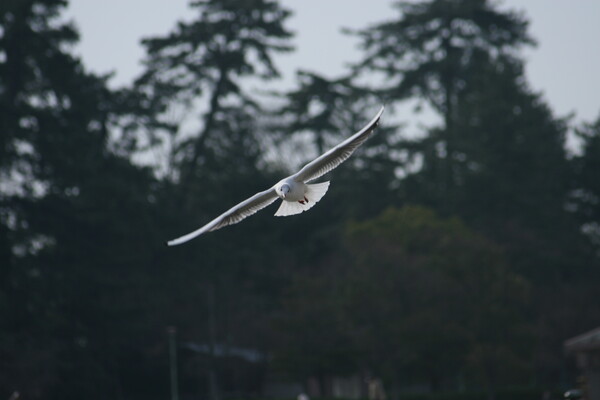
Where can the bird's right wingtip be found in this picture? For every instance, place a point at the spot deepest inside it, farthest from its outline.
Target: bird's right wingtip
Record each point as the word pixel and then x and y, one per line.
pixel 375 121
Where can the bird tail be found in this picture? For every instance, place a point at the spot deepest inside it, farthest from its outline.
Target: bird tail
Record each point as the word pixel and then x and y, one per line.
pixel 314 193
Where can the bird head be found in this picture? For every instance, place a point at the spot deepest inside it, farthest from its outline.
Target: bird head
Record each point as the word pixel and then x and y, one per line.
pixel 284 190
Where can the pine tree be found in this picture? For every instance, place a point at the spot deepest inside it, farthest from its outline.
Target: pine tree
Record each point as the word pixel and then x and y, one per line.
pixel 208 59
pixel 428 53
pixel 73 212
pixel 586 191
pixel 204 68
pixel 499 159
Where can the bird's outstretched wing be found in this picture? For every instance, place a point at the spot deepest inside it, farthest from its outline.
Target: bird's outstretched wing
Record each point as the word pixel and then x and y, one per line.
pixel 232 216
pixel 340 153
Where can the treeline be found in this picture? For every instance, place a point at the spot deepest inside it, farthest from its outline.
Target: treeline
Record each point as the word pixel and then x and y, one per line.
pixel 458 260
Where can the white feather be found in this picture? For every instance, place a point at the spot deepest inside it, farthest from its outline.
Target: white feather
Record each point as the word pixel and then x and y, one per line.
pixel 316 191
pixel 290 208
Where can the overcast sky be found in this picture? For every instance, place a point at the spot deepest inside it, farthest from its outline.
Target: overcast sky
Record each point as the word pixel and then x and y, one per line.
pixel 565 66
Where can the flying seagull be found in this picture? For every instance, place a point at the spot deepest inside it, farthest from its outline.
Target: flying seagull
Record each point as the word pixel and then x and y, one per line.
pixel 296 194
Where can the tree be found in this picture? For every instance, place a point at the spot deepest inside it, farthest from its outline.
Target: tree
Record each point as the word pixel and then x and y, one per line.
pixel 74 212
pixel 586 190
pixel 203 68
pixel 437 301
pixel 28 42
pixel 429 53
pixel 499 160
pixel 414 299
pixel 209 57
pixel 315 339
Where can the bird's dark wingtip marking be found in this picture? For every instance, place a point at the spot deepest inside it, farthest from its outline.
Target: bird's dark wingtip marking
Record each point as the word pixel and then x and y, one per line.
pixel 166 243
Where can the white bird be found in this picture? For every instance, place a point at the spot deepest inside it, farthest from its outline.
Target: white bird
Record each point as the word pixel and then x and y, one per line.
pixel 296 195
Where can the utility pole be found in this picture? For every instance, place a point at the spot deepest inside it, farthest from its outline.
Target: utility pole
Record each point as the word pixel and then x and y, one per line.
pixel 171 330
pixel 212 337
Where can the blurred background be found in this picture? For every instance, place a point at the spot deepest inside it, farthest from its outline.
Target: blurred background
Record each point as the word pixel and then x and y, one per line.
pixel 456 255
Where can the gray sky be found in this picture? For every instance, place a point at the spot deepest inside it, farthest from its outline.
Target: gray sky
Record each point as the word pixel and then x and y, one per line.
pixel 565 66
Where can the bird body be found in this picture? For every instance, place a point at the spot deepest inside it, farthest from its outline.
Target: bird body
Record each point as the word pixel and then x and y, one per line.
pixel 289 189
pixel 301 196
pixel 294 191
